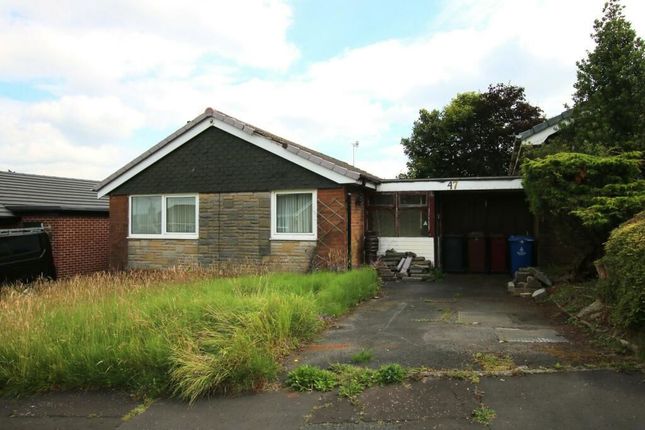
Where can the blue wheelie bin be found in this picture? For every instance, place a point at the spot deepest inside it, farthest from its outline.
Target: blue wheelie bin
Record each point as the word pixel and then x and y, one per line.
pixel 521 251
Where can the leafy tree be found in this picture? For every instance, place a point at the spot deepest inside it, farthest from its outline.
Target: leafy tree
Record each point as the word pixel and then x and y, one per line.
pixel 472 136
pixel 609 98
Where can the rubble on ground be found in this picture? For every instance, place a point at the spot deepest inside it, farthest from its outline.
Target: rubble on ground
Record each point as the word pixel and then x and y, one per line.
pixel 407 266
pixel 530 282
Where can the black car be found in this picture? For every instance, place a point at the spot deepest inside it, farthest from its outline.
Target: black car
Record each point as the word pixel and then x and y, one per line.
pixel 25 255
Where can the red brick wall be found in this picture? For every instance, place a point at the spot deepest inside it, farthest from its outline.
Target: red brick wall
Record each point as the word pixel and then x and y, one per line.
pixel 358 227
pixel 79 243
pixel 118 242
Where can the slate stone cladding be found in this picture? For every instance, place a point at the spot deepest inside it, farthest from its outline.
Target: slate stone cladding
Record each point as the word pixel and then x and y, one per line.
pixel 218 162
pixel 161 253
pixel 234 227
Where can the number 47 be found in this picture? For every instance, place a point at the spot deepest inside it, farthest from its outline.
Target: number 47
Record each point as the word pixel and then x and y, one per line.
pixel 452 185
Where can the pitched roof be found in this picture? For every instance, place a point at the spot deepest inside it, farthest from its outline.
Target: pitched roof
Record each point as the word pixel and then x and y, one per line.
pixel 544 125
pixel 303 152
pixel 24 192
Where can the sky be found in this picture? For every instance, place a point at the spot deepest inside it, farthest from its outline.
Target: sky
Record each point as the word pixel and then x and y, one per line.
pixel 85 86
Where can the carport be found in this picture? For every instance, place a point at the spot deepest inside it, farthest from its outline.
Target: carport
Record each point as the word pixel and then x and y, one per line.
pixel 460 224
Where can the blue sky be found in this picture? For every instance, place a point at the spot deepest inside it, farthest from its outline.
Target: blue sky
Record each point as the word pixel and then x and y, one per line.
pixel 87 86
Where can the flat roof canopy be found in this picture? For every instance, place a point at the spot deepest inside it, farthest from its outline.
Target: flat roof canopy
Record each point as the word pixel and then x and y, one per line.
pixel 452 184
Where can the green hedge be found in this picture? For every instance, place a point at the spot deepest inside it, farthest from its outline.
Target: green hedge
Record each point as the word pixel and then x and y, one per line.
pixel 625 262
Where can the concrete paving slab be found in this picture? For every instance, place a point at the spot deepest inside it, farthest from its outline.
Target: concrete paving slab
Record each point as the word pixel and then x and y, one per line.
pixel 493 319
pixel 334 409
pixel 516 335
pixel 434 398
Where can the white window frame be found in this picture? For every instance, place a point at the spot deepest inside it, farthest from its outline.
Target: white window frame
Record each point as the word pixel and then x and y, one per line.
pixel 164 234
pixel 294 236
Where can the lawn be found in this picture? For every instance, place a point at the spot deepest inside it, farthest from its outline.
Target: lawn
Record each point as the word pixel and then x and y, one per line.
pixel 154 335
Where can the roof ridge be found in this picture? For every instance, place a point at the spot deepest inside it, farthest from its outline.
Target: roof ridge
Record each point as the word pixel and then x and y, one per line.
pixel 48 176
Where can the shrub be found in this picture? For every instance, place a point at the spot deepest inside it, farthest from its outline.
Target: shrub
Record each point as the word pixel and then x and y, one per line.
pixel 625 262
pixel 600 191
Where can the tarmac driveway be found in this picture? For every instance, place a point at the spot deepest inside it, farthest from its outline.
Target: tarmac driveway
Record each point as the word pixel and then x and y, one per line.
pixel 441 325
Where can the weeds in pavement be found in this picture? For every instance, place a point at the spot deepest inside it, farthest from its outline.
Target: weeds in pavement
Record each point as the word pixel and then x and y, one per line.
pixel 362 356
pixel 350 380
pixel 391 374
pixel 310 378
pixel 465 375
pixel 172 332
pixel 494 362
pixel 138 410
pixel 483 415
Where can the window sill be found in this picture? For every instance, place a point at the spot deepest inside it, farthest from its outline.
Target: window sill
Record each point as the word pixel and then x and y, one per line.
pixel 164 236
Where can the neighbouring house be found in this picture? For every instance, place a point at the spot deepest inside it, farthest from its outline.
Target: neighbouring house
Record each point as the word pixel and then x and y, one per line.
pixel 78 222
pixel 537 135
pixel 219 189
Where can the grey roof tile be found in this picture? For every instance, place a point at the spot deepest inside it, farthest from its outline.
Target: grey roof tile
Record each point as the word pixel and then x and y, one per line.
pixel 20 192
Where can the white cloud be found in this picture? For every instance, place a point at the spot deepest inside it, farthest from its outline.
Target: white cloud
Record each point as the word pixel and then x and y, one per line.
pixel 120 67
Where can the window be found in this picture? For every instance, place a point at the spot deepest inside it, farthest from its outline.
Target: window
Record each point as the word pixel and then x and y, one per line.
pixel 293 215
pixel 160 216
pixel 399 214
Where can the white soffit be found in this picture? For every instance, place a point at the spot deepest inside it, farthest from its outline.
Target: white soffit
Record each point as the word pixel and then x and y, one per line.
pixel 260 141
pixel 464 184
pixel 539 137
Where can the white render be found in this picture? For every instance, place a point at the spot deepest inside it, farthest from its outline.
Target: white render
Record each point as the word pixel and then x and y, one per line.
pixel 457 184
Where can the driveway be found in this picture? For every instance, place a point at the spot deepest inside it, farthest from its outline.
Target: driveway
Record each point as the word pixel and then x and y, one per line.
pixel 439 325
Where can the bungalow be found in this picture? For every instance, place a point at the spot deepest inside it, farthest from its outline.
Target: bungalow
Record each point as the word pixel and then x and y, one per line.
pixel 219 189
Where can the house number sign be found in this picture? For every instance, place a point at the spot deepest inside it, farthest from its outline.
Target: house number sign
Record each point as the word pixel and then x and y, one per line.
pixel 452 185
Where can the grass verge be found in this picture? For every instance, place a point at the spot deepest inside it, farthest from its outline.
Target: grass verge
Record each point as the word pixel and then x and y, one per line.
pixel 159 337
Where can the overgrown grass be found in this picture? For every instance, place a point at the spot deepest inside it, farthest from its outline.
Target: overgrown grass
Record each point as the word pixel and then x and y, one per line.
pixel 149 334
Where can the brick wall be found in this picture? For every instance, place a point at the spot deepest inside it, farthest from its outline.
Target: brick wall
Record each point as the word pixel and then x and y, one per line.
pixel 358 227
pixel 118 242
pixel 79 243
